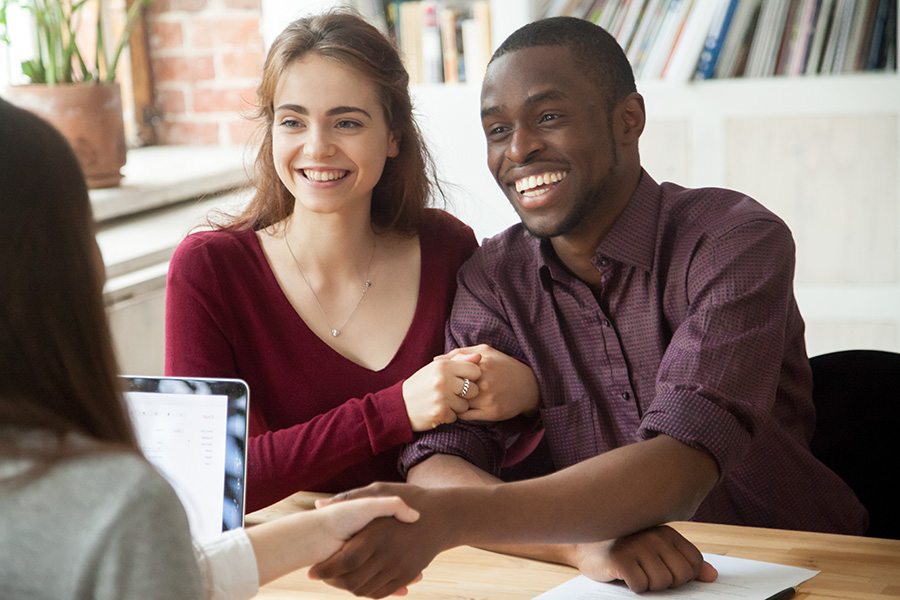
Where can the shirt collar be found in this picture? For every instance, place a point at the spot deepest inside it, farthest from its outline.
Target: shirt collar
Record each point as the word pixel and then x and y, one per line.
pixel 631 239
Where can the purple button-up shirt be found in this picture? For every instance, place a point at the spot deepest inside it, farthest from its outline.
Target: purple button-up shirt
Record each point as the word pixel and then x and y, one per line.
pixel 695 334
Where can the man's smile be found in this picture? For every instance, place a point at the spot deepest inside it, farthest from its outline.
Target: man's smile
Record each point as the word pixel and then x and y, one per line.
pixel 530 186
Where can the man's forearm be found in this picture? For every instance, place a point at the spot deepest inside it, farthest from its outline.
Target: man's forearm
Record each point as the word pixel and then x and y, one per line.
pixel 442 470
pixel 609 496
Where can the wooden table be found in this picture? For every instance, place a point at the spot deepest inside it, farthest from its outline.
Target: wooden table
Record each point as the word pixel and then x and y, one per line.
pixel 852 568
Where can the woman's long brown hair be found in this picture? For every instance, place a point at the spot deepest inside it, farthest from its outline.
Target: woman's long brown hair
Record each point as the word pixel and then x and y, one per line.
pixel 403 191
pixel 57 366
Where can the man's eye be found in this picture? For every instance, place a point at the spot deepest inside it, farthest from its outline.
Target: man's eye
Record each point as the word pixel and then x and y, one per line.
pixel 548 117
pixel 497 130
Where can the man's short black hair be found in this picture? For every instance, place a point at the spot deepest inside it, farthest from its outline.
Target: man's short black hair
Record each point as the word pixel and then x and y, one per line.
pixel 593 48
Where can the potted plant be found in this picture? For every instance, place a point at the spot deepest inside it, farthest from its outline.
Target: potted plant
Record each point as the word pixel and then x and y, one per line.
pixel 73 78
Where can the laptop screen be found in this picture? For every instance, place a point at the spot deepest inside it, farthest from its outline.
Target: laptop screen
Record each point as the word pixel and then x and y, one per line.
pixel 194 431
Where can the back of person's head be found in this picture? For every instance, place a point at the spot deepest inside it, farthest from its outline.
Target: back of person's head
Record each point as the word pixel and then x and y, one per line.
pixel 593 49
pixel 345 37
pixel 57 369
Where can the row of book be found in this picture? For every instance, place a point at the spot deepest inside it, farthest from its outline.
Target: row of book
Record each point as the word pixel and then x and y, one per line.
pixel 674 40
pixel 439 41
pixel 680 40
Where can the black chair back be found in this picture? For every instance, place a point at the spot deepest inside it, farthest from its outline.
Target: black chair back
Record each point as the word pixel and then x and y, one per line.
pixel 857 398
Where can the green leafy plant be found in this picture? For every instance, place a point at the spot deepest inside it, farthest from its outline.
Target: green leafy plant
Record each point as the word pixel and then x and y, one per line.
pixel 58 58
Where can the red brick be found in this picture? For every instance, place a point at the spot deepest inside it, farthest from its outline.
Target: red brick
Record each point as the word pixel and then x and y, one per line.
pixel 236 31
pixel 227 100
pixel 249 4
pixel 171 101
pixel 247 64
pixel 190 133
pixel 166 34
pixel 183 68
pixel 187 5
pixel 243 132
pixel 157 7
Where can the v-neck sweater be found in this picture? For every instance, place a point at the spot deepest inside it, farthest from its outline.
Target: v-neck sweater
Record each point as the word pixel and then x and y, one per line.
pixel 318 420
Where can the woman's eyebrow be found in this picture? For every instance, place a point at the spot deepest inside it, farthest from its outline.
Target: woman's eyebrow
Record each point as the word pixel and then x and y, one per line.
pixel 337 110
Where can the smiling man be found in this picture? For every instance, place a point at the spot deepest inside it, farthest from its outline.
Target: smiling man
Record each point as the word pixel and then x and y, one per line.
pixel 651 314
pixel 660 323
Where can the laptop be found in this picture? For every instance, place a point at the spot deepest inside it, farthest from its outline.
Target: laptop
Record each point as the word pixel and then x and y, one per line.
pixel 194 431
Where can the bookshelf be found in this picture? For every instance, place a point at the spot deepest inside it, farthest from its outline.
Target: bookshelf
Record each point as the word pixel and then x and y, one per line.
pixel 821 151
pixel 674 40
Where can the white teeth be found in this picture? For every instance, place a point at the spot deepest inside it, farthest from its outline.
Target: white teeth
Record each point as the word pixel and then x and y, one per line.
pixel 323 175
pixel 533 181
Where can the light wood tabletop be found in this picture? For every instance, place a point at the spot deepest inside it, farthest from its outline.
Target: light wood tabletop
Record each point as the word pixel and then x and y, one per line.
pixel 852 568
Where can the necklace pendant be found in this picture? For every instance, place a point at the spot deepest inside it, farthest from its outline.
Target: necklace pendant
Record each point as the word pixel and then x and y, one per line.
pixel 335 333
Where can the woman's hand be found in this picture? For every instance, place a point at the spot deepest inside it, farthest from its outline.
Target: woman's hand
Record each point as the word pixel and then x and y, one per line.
pixel 438 392
pixel 342 520
pixel 302 539
pixel 506 388
pixel 387 555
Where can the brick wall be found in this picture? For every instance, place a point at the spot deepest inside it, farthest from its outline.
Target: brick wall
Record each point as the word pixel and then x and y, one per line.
pixel 206 57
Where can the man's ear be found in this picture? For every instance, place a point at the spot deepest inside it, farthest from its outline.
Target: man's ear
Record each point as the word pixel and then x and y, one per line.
pixel 630 119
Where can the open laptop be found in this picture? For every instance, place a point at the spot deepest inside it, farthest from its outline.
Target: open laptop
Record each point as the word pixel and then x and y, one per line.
pixel 195 432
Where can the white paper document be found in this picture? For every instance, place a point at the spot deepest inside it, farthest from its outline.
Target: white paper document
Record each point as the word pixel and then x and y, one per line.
pixel 739 579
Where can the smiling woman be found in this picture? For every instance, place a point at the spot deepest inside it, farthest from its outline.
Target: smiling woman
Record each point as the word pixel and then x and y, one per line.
pixel 329 294
pixel 78 496
pixel 331 150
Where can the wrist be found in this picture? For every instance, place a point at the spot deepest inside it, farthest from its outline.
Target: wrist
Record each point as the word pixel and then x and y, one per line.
pixel 451 504
pixel 466 513
pixel 569 554
pixel 406 393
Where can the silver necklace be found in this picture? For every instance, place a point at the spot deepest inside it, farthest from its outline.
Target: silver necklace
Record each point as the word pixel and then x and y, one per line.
pixel 335 331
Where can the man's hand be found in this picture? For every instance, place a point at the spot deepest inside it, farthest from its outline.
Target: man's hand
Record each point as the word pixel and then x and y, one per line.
pixel 305 538
pixel 387 555
pixel 655 559
pixel 342 520
pixel 433 393
pixel 506 386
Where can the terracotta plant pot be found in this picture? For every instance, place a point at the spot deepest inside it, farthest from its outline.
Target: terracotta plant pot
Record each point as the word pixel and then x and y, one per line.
pixel 89 116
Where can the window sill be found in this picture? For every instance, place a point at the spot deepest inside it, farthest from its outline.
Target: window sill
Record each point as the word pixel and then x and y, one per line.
pixel 159 176
pixel 167 191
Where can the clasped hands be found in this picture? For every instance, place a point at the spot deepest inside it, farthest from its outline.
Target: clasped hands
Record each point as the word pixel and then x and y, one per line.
pixel 387 554
pixel 499 388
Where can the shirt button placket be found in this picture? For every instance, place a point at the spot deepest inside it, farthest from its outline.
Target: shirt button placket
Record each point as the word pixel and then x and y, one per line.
pixel 602 266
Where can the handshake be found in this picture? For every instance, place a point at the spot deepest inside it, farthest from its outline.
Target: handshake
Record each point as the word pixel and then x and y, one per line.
pixel 377 540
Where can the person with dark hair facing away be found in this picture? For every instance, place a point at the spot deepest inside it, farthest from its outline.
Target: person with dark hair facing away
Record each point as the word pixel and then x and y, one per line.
pixel 82 513
pixel 660 323
pixel 329 293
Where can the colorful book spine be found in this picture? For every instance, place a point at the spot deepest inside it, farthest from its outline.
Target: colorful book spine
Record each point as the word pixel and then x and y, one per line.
pixel 714 41
pixel 683 61
pixel 878 33
pixel 823 24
